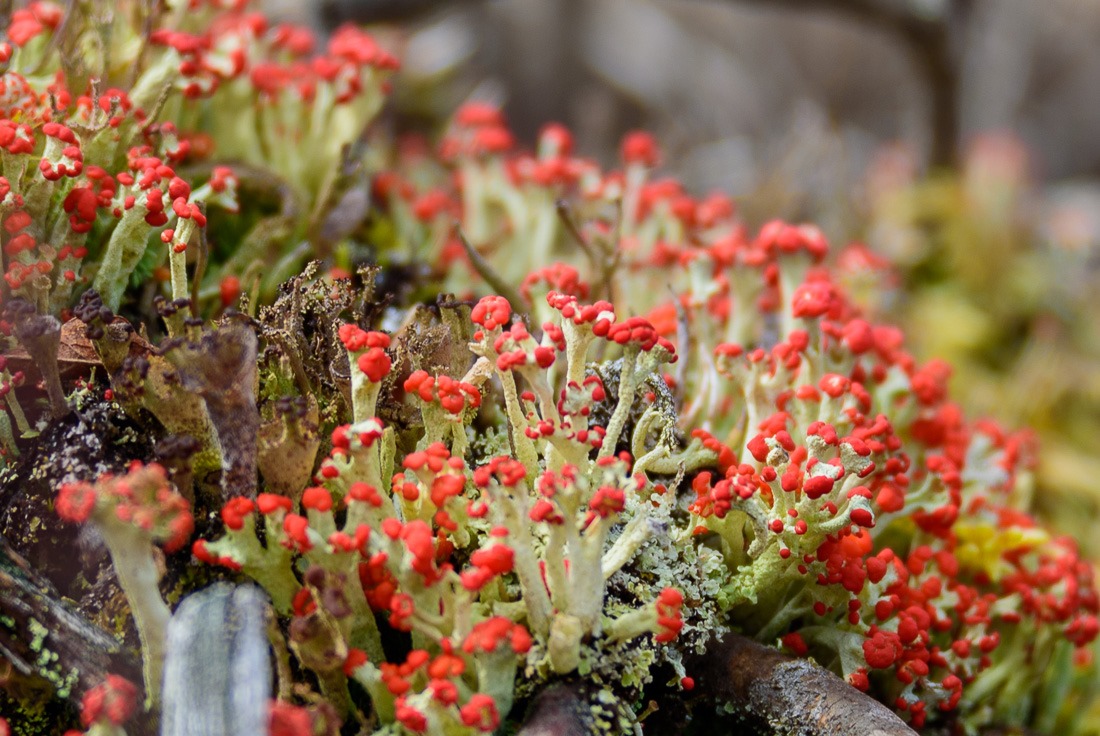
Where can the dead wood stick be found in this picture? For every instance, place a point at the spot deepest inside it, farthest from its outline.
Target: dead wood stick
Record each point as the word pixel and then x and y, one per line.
pixel 42 636
pixel 788 695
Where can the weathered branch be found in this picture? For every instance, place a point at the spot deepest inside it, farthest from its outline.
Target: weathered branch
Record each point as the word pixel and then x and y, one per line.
pixel 42 636
pixel 787 695
pixel 487 272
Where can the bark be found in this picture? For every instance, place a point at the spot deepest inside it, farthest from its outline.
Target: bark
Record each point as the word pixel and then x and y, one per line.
pixel 42 636
pixel 785 695
pixel 771 693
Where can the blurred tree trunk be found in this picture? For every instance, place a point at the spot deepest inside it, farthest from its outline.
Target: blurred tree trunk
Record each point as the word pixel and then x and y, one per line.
pixel 931 34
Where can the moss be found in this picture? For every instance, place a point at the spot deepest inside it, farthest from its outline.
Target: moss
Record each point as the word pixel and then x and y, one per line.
pixel 31 708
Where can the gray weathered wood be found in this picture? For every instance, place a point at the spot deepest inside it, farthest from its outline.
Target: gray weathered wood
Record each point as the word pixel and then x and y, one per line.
pixel 42 635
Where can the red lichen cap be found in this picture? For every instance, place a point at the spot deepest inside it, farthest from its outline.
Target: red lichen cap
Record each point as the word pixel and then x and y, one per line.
pixel 113 701
pixel 491 312
pixel 640 147
pixel 289 720
pixel 271 503
pixel 491 633
pixel 75 501
pixel 480 712
pixel 234 512
pixel 669 603
pixel 780 237
pixel 317 498
pixel 375 364
pixel 143 497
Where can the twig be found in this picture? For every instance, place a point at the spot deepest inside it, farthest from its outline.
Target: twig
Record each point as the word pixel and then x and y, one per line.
pixel 566 215
pixel 43 636
pixel 499 285
pixel 40 336
pixel 787 694
pixel 217 677
pixel 613 253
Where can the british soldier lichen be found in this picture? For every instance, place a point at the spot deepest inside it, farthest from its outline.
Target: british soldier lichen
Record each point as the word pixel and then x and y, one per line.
pixel 662 428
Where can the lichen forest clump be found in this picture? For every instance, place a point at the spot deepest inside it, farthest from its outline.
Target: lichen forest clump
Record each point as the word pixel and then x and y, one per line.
pixel 520 426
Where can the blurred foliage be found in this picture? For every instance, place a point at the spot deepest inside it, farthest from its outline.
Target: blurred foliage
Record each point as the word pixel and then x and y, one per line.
pixel 997 276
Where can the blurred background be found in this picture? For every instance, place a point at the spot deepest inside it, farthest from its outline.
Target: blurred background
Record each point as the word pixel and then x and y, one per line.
pixel 958 139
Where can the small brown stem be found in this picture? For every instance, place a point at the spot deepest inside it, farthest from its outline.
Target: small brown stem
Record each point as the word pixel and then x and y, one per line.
pixel 565 213
pixel 683 337
pixel 40 336
pixel 499 285
pixel 221 369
